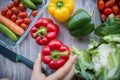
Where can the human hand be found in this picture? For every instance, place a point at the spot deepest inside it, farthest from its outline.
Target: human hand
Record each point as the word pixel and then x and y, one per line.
pixel 64 73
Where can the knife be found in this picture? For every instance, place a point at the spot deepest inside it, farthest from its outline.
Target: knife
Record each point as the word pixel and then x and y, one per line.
pixel 16 57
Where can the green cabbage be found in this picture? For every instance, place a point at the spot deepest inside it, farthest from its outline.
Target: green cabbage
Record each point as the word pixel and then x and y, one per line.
pixel 101 60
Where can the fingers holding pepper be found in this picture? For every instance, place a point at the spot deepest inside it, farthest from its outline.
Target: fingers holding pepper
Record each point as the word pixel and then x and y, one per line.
pixel 55 54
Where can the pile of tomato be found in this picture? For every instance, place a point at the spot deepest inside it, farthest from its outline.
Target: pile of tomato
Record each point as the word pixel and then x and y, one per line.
pixel 16 12
pixel 107 7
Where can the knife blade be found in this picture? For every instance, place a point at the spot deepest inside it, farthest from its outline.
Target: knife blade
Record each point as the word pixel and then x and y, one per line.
pixel 16 57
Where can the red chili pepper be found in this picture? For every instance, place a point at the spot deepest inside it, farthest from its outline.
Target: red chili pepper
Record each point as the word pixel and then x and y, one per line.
pixel 55 54
pixel 44 31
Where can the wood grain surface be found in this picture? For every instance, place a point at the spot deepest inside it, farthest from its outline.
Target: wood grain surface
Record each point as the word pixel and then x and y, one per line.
pixel 29 49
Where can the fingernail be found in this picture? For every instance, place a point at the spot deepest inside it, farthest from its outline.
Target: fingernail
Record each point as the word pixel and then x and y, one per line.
pixel 74 58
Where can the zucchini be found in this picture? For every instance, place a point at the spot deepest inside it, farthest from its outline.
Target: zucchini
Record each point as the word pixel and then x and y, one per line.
pixel 8 32
pixel 29 4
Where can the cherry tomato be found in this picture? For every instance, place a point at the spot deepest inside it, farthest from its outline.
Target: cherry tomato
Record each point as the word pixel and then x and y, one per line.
pixel 107 11
pixel 4 11
pixel 109 3
pixel 16 3
pixel 101 4
pixel 23 14
pixel 14 18
pixel 27 20
pixel 115 9
pixel 21 7
pixel 103 16
pixel 24 26
pixel 9 14
pixel 19 21
pixel 10 6
pixel 34 13
pixel 15 10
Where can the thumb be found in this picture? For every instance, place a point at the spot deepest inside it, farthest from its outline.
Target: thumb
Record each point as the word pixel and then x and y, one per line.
pixel 37 64
pixel 63 71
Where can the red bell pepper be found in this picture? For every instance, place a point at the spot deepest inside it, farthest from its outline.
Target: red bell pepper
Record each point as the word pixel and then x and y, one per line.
pixel 55 54
pixel 44 31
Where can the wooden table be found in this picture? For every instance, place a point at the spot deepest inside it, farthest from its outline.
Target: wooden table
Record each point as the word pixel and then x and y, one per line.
pixel 29 48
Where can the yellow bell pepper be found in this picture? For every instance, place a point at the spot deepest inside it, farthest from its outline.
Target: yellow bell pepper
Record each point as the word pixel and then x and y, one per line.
pixel 61 9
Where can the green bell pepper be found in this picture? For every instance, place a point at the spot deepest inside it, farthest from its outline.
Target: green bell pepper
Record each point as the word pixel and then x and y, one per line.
pixel 80 23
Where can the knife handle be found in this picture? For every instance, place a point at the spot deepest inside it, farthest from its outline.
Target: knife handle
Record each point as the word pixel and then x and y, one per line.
pixel 29 63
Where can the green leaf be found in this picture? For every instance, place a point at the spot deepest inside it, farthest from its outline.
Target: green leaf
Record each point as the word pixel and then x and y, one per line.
pixel 112 38
pixel 110 19
pixel 99 29
pixel 111 26
pixel 83 65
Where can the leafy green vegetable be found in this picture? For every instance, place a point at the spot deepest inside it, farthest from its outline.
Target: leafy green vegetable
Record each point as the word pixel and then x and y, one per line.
pixel 111 26
pixel 106 62
pixel 84 65
pixel 112 38
pixel 98 30
pixel 101 60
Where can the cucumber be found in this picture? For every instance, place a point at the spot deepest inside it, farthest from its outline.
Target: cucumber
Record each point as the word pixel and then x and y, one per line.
pixel 37 1
pixel 8 32
pixel 29 4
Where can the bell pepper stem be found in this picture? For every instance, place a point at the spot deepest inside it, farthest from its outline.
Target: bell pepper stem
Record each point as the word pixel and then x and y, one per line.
pixel 59 4
pixel 63 53
pixel 42 31
pixel 56 54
